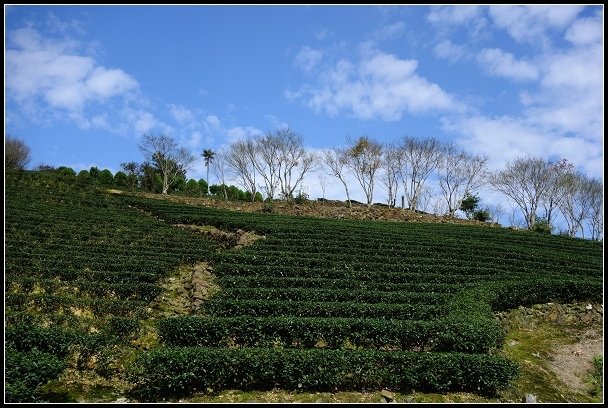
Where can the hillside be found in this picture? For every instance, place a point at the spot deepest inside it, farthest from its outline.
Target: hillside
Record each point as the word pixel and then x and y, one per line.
pixel 115 298
pixel 319 208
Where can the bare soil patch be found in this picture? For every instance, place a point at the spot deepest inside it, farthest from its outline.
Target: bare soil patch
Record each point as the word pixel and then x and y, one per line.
pixel 227 239
pixel 572 362
pixel 185 291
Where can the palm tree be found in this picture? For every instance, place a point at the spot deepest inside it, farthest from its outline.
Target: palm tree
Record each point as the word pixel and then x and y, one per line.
pixel 208 155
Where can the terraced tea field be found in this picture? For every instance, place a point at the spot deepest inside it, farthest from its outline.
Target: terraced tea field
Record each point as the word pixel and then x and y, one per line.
pixel 317 304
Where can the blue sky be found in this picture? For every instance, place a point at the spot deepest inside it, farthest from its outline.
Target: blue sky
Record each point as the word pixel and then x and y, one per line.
pixel 82 84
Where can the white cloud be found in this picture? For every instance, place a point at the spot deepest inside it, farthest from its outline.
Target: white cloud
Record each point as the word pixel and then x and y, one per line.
pixel 380 85
pixel 499 63
pixel 551 126
pixel 529 24
pixel 501 138
pixel 143 121
pixel 100 121
pixel 275 122
pixel 449 51
pixel 571 98
pixel 454 15
pixel 586 31
pixel 213 121
pixel 195 139
pixel 307 59
pixel 562 115
pixel 321 33
pixel 106 83
pixel 240 133
pixel 181 114
pixel 40 69
pixel 389 32
pixel 447 18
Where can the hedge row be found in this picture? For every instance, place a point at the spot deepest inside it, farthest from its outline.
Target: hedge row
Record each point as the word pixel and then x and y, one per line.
pixel 231 281
pixel 166 373
pixel 472 335
pixel 232 307
pixel 99 307
pixel 125 290
pixel 334 295
pixel 26 371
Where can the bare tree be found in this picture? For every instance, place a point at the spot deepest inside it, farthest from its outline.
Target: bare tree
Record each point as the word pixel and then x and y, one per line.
pixel 513 222
pixel 557 187
pixel 267 162
pixel 576 205
pixel 240 158
pixel 282 161
pixel 16 153
pixel 496 212
pixel 525 181
pixel 439 207
pixel 219 166
pixel 364 160
pixel 171 159
pixel 390 178
pixel 294 160
pixel 335 161
pixel 459 174
pixel 425 199
pixel 595 220
pixel 323 183
pixel 418 159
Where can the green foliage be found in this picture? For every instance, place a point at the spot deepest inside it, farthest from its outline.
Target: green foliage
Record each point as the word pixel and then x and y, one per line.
pixel 25 371
pixel 123 327
pixel 319 304
pixel 233 192
pixel 150 179
pixel 121 179
pixel 179 184
pixel 94 172
pixel 193 188
pixel 105 178
pixel 597 375
pixel 473 335
pixel 82 260
pixel 469 204
pixel 542 226
pixel 132 170
pixel 481 215
pixel 67 172
pixel 203 187
pixel 83 178
pixel 268 207
pixel 175 372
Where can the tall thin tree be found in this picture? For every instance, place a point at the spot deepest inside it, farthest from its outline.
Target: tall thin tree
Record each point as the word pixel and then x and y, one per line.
pixel 208 156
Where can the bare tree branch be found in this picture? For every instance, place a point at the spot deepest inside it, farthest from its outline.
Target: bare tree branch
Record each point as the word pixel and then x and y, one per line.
pixel 364 160
pixel 171 159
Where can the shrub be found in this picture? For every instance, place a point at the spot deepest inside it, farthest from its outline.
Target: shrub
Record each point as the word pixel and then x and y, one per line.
pixel 26 371
pixel 542 226
pixel 301 198
pixel 481 215
pixel 174 372
pixel 267 208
